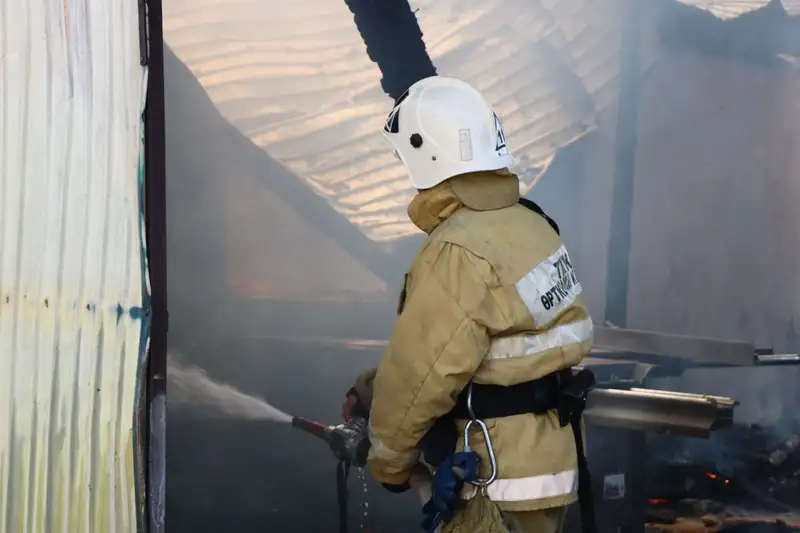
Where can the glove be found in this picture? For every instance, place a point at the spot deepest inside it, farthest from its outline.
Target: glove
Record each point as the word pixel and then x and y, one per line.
pixel 446 490
pixel 359 397
pixel 352 407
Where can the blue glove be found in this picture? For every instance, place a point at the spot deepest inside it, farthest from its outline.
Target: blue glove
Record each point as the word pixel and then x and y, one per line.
pixel 447 485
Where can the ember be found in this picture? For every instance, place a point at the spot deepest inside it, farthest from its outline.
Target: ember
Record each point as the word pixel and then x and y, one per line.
pixel 748 482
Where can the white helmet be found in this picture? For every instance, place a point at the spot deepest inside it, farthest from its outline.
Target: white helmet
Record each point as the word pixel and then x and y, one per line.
pixel 442 127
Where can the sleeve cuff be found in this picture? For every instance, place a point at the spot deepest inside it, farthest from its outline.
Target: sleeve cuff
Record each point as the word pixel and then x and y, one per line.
pixel 397 479
pixel 396 489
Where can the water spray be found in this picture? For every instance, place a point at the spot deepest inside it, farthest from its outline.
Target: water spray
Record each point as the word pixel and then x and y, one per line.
pixel 349 442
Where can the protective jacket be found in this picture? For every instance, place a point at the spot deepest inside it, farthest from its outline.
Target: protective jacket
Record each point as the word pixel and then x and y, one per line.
pixel 491 297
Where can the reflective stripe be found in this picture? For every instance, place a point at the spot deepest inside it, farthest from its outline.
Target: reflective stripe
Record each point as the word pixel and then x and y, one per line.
pixel 529 488
pixel 558 337
pixel 398 459
pixel 549 288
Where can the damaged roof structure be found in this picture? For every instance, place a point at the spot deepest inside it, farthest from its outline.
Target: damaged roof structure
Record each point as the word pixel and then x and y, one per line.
pixel 309 99
pixel 549 69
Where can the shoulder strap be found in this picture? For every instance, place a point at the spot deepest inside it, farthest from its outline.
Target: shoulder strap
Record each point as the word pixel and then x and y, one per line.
pixel 533 206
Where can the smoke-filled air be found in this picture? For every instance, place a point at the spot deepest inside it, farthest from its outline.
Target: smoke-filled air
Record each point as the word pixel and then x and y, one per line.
pixel 192 386
pixel 661 137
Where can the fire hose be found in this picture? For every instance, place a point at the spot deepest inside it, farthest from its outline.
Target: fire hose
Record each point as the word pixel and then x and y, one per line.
pixel 349 443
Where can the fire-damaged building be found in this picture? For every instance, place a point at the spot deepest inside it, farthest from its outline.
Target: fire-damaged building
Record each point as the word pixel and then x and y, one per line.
pixel 658 134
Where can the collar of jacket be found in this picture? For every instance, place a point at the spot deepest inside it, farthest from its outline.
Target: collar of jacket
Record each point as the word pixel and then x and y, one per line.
pixel 479 191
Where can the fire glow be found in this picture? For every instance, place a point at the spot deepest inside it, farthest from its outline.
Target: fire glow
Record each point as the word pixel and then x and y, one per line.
pixel 711 475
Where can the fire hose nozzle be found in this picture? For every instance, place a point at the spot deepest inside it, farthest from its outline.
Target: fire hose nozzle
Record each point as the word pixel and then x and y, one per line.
pixel 348 442
pixel 314 428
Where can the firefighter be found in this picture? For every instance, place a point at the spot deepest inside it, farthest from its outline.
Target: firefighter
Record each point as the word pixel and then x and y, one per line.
pixel 492 306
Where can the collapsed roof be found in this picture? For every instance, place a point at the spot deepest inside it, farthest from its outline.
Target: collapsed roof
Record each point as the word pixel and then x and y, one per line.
pixel 729 9
pixel 295 79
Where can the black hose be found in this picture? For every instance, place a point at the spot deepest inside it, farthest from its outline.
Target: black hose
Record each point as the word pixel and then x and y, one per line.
pixel 342 475
pixel 393 39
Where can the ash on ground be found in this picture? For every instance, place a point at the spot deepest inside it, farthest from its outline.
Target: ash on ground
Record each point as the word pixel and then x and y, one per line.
pixel 744 480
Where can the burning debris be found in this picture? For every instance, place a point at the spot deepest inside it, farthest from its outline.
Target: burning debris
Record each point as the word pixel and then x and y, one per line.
pixel 700 516
pixel 748 482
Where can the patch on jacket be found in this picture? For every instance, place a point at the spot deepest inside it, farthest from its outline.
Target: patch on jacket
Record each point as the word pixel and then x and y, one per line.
pixel 401 299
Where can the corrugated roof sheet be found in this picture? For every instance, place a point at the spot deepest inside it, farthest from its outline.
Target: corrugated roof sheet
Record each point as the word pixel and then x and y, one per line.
pixel 295 78
pixel 728 9
pixel 72 323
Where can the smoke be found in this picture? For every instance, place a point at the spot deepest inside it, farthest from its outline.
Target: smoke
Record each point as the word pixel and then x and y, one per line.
pixel 252 246
pixel 191 386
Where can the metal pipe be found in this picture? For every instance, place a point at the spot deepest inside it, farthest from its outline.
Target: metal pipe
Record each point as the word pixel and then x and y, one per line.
pixel 778 359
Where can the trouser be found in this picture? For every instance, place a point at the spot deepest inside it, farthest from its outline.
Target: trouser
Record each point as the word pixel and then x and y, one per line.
pixel 542 521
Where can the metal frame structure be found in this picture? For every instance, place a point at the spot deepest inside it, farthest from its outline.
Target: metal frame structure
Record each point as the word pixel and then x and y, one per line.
pixel 623 411
pixel 694 350
pixel 156 230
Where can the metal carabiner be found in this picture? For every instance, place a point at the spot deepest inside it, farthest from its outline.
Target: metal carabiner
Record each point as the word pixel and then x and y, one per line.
pixel 489 448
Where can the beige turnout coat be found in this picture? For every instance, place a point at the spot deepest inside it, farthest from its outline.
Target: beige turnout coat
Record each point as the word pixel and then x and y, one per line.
pixel 491 297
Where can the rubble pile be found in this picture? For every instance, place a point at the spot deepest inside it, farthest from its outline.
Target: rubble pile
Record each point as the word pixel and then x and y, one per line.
pixel 747 480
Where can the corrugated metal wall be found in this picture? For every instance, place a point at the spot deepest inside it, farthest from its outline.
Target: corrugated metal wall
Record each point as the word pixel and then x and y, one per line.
pixel 72 293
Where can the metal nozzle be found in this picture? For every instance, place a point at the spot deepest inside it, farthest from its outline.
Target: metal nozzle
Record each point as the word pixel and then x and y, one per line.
pixel 314 428
pixel 347 443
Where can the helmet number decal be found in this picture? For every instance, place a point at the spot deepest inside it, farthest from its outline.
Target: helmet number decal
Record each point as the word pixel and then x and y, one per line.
pixel 500 144
pixel 465 144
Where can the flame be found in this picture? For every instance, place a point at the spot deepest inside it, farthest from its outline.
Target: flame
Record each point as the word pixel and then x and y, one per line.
pixel 657 501
pixel 711 475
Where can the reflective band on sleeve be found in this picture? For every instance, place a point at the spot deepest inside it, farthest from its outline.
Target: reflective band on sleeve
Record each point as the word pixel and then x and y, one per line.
pixel 549 288
pixel 557 337
pixel 529 488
